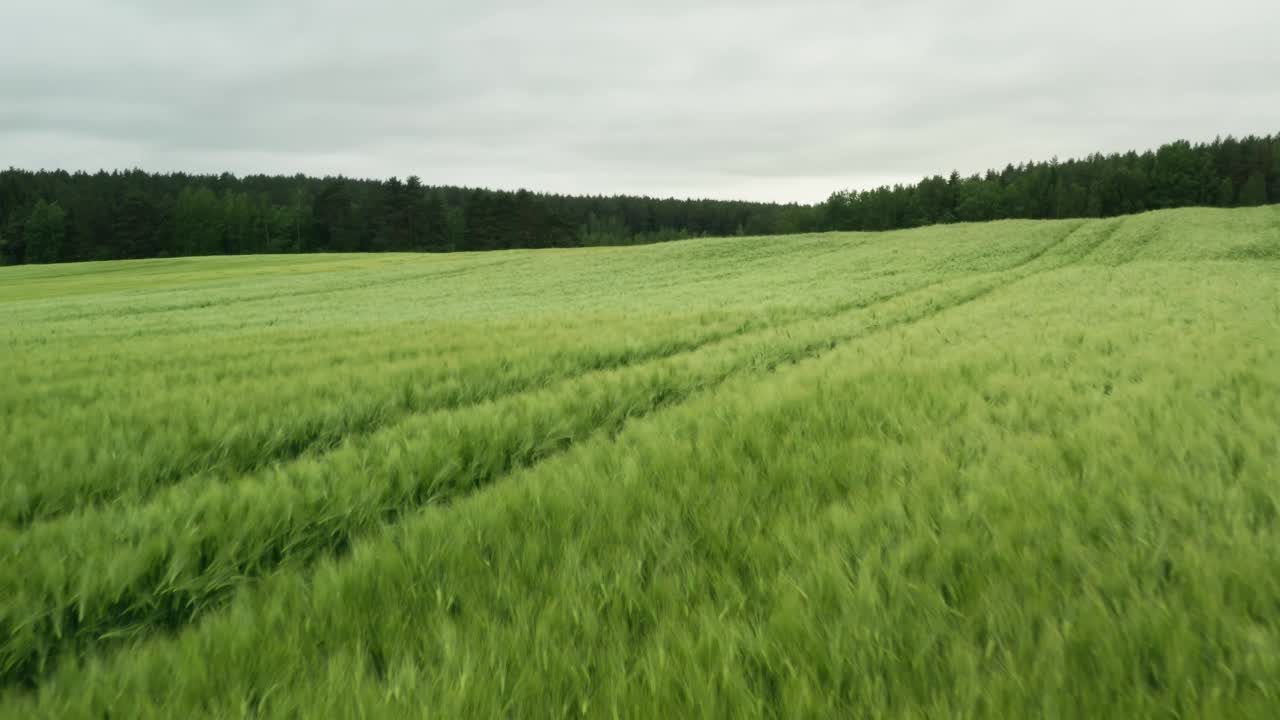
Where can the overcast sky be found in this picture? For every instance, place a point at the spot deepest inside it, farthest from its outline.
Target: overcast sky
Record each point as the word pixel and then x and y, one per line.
pixel 758 100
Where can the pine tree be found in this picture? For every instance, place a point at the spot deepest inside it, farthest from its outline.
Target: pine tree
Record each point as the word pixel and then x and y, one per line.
pixel 415 215
pixel 45 233
pixel 198 222
pixel 1226 196
pixel 393 227
pixel 1274 173
pixel 136 227
pixel 12 245
pixel 241 223
pixel 436 231
pixel 333 218
pixel 1254 191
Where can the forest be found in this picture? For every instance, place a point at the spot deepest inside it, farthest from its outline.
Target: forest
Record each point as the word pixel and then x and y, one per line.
pixel 1228 172
pixel 60 216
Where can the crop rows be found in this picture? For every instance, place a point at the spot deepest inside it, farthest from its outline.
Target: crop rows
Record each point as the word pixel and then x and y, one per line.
pixel 219 415
pixel 162 562
pixel 1006 470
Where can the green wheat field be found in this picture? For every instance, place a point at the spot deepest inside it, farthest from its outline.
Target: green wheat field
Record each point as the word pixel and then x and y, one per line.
pixel 1017 469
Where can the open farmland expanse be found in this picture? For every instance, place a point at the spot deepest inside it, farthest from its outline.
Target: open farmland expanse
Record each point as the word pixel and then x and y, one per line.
pixel 999 470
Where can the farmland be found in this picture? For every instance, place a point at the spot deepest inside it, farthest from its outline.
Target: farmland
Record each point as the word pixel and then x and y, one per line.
pixel 1012 469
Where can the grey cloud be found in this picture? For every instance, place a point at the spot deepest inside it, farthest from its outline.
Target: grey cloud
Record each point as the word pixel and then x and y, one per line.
pixel 784 101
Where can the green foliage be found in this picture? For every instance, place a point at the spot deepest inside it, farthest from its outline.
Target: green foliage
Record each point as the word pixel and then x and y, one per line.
pixel 45 233
pixel 1013 469
pixel 12 243
pixel 1254 191
pixel 1273 172
pixel 1178 174
pixel 135 214
pixel 138 226
pixel 1226 193
pixel 199 222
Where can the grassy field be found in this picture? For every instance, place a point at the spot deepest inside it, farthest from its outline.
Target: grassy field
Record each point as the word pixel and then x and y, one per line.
pixel 1018 469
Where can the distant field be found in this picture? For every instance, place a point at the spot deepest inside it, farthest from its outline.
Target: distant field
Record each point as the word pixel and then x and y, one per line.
pixel 1016 469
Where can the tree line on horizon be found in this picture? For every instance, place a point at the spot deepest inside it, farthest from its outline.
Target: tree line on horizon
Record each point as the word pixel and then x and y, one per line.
pixel 56 216
pixel 1228 172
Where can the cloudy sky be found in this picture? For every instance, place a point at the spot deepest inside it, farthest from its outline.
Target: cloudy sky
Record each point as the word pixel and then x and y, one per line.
pixel 759 100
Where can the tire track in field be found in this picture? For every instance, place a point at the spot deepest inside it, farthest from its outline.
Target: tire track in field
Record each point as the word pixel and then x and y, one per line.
pixel 807 352
pixel 274 353
pixel 129 614
pixel 1025 270
pixel 1104 236
pixel 1150 230
pixel 1071 231
pixel 44 508
pixel 125 618
pixel 41 508
pixel 128 311
pixel 132 311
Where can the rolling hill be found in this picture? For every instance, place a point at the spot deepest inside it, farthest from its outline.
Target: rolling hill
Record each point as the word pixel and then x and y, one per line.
pixel 1020 468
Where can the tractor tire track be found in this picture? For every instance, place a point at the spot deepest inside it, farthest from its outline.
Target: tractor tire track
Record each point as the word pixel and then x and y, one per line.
pixel 170 607
pixel 23 511
pixel 177 586
pixel 131 311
